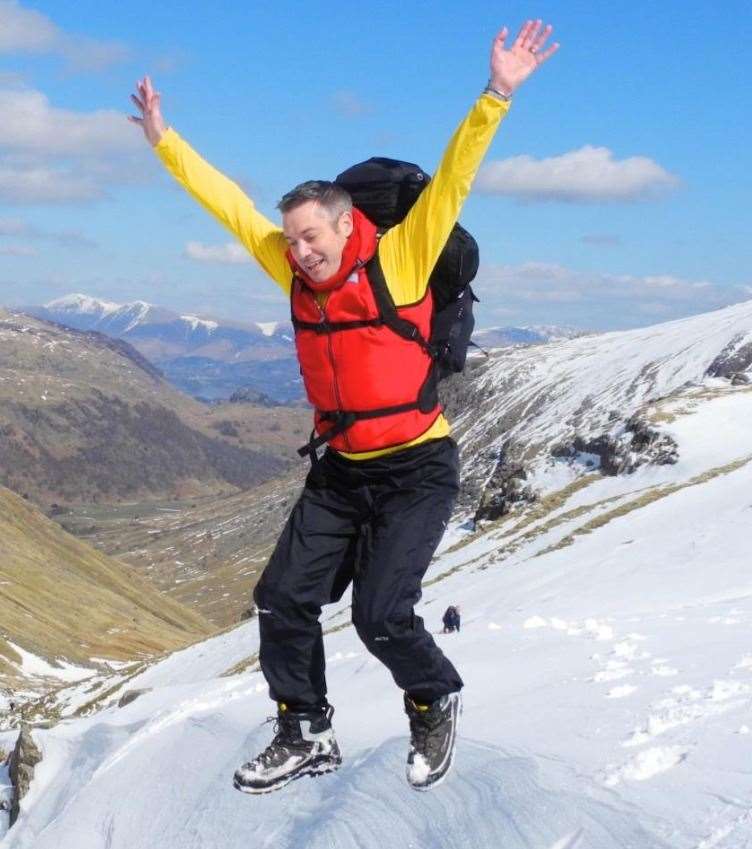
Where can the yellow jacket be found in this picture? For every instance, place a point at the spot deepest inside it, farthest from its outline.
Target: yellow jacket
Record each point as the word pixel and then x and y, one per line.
pixel 407 252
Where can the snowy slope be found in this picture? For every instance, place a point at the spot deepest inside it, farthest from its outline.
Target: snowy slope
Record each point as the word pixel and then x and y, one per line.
pixel 605 649
pixel 530 403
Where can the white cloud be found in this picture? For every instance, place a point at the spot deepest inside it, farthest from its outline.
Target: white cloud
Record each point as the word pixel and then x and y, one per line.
pixel 43 184
pixel 588 175
pixel 32 125
pixel 546 293
pixel 24 30
pixel 51 155
pixel 230 253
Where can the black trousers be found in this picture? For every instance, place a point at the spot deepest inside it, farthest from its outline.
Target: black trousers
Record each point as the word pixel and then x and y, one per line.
pixel 376 523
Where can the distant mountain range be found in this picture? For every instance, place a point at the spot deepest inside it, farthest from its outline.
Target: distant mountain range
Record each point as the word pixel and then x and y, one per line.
pixel 213 358
pixel 204 357
pixel 534 334
pixel 163 333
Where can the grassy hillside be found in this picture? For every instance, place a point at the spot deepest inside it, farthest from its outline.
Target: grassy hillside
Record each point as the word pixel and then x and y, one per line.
pixel 206 553
pixel 85 419
pixel 60 599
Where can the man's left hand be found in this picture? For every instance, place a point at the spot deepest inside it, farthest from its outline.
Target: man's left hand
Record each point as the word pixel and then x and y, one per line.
pixel 511 67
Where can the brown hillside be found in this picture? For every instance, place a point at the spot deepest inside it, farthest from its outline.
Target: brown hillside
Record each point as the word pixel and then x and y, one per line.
pixel 86 419
pixel 206 553
pixel 62 600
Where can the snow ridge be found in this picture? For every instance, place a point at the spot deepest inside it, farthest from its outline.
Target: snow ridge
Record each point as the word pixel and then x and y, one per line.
pixel 542 397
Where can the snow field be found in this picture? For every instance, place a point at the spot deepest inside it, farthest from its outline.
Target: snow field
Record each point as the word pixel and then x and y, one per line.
pixel 541 729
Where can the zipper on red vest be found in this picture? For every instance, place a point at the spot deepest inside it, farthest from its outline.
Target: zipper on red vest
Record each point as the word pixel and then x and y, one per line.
pixel 335 385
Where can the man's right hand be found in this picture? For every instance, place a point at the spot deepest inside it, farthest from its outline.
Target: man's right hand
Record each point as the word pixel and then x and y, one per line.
pixel 147 102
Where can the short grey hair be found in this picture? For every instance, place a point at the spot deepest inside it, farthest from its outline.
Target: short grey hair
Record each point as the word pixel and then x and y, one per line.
pixel 333 198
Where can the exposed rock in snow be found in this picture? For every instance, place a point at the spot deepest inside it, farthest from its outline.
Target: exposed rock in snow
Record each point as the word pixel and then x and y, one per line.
pixel 734 360
pixel 527 409
pixel 506 486
pixel 638 444
pixel 23 761
pixel 131 696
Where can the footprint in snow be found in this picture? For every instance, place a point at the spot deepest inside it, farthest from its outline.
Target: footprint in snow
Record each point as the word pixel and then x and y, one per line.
pixel 685 706
pixel 647 764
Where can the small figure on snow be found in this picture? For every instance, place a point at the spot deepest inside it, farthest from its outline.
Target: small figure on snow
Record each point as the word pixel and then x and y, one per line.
pixel 451 619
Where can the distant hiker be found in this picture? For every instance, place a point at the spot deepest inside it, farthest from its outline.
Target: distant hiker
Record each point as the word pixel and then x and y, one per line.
pixel 451 619
pixel 386 485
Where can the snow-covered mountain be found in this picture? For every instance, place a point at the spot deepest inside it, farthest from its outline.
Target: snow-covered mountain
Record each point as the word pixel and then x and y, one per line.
pixel 605 642
pixel 143 321
pixel 534 415
pixel 534 334
pixel 202 356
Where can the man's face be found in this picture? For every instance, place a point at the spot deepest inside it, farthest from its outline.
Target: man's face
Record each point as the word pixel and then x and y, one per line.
pixel 315 240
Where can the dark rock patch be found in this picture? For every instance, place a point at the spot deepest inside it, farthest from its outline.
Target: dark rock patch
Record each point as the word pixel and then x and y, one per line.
pixel 733 360
pixel 23 760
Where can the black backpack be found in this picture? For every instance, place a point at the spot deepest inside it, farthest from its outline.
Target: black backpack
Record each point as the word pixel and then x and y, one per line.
pixel 384 190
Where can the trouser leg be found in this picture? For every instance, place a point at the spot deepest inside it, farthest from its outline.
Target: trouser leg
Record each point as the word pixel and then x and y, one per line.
pixel 315 551
pixel 409 516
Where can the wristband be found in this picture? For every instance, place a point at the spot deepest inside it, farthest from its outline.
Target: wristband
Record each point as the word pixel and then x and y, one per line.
pixel 489 89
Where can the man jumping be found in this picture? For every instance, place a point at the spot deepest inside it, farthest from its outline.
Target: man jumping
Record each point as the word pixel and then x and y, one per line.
pixel 384 490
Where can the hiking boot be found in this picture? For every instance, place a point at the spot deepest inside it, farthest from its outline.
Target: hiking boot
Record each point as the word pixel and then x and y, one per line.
pixel 433 732
pixel 303 744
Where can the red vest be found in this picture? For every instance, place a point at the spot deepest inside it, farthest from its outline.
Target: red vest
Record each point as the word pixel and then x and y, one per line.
pixel 353 363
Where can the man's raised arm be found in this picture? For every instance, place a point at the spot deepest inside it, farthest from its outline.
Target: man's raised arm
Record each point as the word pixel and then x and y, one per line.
pixel 408 252
pixel 223 198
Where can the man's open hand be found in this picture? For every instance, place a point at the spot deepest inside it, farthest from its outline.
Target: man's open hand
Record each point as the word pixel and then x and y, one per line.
pixel 147 102
pixel 511 67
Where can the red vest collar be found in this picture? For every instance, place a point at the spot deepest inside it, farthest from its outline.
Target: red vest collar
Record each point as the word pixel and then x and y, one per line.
pixel 359 248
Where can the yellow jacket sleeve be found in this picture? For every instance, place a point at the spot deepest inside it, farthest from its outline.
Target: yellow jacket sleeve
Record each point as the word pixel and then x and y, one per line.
pixel 229 204
pixel 408 252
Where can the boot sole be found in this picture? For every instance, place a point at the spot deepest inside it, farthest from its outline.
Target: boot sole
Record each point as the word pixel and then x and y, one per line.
pixel 318 766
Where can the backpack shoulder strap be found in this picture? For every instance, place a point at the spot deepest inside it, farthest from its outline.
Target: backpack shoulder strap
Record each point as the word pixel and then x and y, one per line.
pixel 387 309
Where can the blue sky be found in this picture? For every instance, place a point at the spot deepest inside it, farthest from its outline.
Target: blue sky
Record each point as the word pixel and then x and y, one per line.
pixel 615 194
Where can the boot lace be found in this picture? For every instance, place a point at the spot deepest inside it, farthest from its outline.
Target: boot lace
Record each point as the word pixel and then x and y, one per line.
pixel 284 739
pixel 422 726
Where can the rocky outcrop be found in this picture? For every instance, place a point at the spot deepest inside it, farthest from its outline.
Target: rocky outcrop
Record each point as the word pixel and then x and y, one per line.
pixel 23 761
pixel 733 361
pixel 249 395
pixel 131 696
pixel 506 486
pixel 639 444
